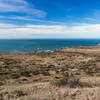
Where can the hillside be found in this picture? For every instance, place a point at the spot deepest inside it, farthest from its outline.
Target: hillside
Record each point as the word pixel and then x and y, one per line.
pixel 66 74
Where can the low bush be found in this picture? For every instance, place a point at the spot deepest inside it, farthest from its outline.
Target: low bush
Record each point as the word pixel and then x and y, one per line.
pixel 15 76
pixel 19 93
pixel 26 74
pixel 70 82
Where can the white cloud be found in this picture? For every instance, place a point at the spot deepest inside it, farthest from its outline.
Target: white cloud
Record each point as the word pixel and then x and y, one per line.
pixel 29 31
pixel 95 16
pixel 19 6
pixel 91 19
pixel 3 25
pixel 28 18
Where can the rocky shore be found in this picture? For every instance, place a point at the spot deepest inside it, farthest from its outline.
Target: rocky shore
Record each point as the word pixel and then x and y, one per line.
pixel 66 74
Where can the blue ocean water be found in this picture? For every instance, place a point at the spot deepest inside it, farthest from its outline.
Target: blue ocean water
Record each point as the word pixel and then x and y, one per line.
pixel 34 45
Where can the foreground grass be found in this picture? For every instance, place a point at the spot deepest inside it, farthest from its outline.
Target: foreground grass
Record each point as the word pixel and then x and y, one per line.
pixel 45 91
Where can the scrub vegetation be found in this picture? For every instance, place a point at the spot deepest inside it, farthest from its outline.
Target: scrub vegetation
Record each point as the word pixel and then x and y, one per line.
pixel 66 74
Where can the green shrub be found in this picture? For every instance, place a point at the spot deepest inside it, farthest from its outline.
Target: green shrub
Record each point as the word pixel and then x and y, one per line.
pixel 26 74
pixel 60 82
pixel 15 76
pixel 1 83
pixel 36 72
pixel 74 82
pixel 2 95
pixel 19 93
pixel 71 82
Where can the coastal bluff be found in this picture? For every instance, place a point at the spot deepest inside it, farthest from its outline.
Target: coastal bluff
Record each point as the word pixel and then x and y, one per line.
pixel 65 74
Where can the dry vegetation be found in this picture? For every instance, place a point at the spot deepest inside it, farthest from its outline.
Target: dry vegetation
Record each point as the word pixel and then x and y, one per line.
pixel 66 74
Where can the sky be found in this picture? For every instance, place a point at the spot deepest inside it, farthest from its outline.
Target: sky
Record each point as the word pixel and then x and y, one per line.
pixel 49 19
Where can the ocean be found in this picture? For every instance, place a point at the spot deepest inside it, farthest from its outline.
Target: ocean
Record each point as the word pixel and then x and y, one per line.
pixel 39 45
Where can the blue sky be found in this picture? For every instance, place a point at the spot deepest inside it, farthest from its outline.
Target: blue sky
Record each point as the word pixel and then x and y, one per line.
pixel 49 19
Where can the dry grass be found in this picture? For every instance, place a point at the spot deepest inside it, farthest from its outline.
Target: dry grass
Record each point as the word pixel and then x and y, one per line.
pixel 74 74
pixel 45 91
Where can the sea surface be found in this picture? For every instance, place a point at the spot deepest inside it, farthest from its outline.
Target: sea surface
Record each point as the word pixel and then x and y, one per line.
pixel 39 45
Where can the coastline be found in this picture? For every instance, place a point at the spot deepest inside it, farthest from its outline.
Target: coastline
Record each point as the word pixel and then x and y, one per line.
pixel 52 51
pixel 30 75
pixel 45 45
pixel 78 47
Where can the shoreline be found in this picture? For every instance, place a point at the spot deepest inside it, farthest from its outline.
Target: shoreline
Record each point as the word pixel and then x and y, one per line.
pixel 51 51
pixel 25 46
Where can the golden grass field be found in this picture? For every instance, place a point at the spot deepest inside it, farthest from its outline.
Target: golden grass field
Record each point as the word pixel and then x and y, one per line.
pixel 66 74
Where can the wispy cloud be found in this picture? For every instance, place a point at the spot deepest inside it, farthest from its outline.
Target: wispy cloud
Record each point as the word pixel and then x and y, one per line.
pixel 5 25
pixel 28 18
pixel 20 6
pixel 95 16
pixel 96 13
pixel 86 30
pixel 91 19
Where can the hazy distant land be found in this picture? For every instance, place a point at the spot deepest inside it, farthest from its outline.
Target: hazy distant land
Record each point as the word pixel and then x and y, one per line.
pixel 66 74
